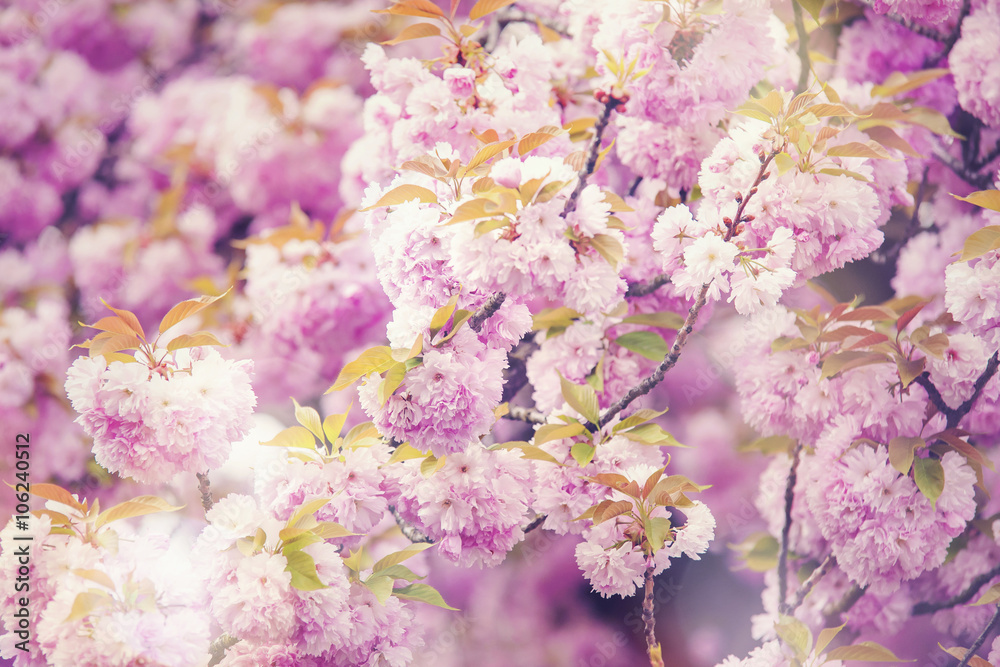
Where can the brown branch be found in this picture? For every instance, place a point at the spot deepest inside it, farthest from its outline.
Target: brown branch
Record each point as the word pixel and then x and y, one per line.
pixel 647 287
pixel 786 529
pixel 846 602
pixel 410 532
pixel 487 311
pixel 949 42
pixel 810 583
pixel 978 181
pixel 535 523
pixel 963 597
pixel 646 385
pixel 521 413
pixel 954 415
pixel 649 620
pixel 595 150
pixel 981 639
pixel 219 647
pixel 205 488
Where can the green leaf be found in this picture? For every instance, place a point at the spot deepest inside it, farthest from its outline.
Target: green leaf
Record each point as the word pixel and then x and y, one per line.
pixel 86 603
pixel 431 465
pixel 550 432
pixel 901 452
pixel 442 315
pixel 773 444
pixel 181 311
pixel 869 149
pixel 406 452
pixel 759 552
pixel 929 476
pixel 812 6
pixel 899 82
pixel 984 198
pixel 307 509
pixel 651 434
pixel 303 570
pixel 293 436
pixel 194 340
pixel 415 31
pixel 657 528
pixel 646 343
pixel 581 398
pixel 380 586
pixel 664 320
pixel 329 530
pixel 528 451
pixel 868 651
pixel 403 194
pixel 638 417
pixel 422 593
pixel 554 317
pixel 844 361
pixel 609 509
pixel 138 506
pixel 334 424
pixel 981 242
pixel 399 556
pixel 394 376
pixel 582 452
pixel 909 369
pixel 609 248
pixel 400 572
pixel 309 418
pixel 796 635
pixel 373 360
pixel 826 636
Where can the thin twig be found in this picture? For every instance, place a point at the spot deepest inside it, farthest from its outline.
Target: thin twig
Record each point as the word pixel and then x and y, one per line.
pixel 978 181
pixel 487 311
pixel 521 413
pixel 595 150
pixel 649 619
pixel 205 488
pixel 846 602
pixel 410 532
pixel 647 287
pixel 786 530
pixel 810 583
pixel 219 647
pixel 646 385
pixel 949 42
pixel 804 65
pixel 963 597
pixel 954 415
pixel 981 639
pixel 535 523
pixel 635 186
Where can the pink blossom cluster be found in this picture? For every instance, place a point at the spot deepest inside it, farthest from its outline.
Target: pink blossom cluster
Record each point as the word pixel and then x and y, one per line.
pixel 151 425
pixel 309 304
pixel 690 68
pixel 475 505
pixel 143 601
pixel 253 597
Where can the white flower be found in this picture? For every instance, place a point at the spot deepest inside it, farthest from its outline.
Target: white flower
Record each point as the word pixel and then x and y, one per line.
pixel 709 257
pixel 763 290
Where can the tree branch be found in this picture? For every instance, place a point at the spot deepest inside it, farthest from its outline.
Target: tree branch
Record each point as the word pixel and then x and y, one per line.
pixel 649 620
pixel 963 597
pixel 595 150
pixel 205 488
pixel 410 532
pixel 670 360
pixel 810 583
pixel 487 311
pixel 219 647
pixel 521 413
pixel 949 41
pixel 981 639
pixel 647 287
pixel 954 415
pixel 783 607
